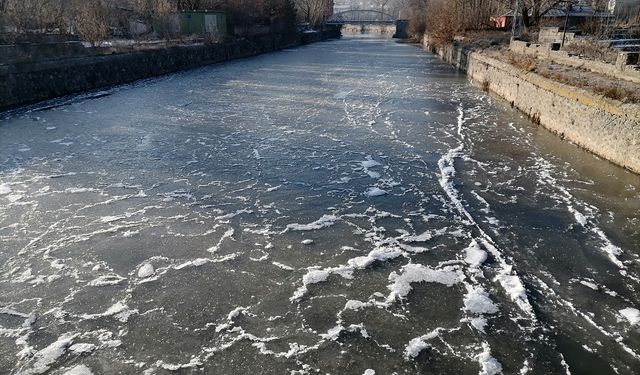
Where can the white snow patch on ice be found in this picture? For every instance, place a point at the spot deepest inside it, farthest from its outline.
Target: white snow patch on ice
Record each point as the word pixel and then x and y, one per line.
pixel 4 189
pixel 106 280
pixel 14 197
pixel 475 256
pixel 79 370
pixel 414 273
pixel 111 219
pixel 82 348
pixel 488 364
pixel 323 222
pixel 479 323
pixel 477 301
pixel 315 276
pixel 589 284
pixel 231 215
pixel 146 270
pixel 47 357
pixel 370 163
pixel 235 313
pixel 119 310
pixel 632 315
pixel 353 304
pixel 413 249
pixel 418 344
pixel 311 277
pixel 375 192
pixel 424 237
pixel 226 235
pixel 282 266
pixel 380 254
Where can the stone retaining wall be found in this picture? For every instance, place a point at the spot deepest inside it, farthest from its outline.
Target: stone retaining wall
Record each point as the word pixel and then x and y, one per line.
pixel 608 128
pixel 26 83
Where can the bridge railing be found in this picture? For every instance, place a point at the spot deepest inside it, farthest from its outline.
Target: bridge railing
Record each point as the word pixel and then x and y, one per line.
pixel 361 17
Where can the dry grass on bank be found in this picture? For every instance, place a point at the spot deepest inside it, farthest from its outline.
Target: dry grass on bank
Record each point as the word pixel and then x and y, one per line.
pixel 624 91
pixel 592 50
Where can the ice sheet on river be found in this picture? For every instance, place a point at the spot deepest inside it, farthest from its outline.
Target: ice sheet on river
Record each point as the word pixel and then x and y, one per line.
pixel 350 207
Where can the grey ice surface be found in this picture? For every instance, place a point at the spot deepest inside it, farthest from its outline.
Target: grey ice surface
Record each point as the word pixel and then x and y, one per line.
pixel 345 206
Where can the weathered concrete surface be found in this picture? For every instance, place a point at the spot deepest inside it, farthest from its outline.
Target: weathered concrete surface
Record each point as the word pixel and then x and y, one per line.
pixel 621 70
pixel 379 29
pixel 608 128
pixel 32 82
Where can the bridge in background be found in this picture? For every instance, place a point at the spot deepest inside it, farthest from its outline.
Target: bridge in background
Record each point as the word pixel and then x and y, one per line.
pixel 361 17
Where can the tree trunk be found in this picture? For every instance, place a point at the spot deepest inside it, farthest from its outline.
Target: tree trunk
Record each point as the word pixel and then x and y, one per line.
pixel 526 21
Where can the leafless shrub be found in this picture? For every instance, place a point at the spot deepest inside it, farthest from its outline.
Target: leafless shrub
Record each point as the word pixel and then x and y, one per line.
pixel 313 12
pixel 94 20
pixel 32 15
pixel 91 21
pixel 442 22
pixel 528 63
pixel 592 49
pixel 163 16
pixel 417 13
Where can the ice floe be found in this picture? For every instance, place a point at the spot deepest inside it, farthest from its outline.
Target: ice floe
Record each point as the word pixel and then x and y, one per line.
pixel 488 364
pixel 477 301
pixel 146 270
pixel 418 344
pixel 475 256
pixel 4 189
pixel 47 357
pixel 375 192
pixel 324 222
pixel 400 285
pixel 79 370
pixel 632 315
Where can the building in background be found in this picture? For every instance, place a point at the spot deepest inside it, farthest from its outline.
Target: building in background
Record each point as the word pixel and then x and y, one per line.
pixel 625 10
pixel 203 21
pixel 578 14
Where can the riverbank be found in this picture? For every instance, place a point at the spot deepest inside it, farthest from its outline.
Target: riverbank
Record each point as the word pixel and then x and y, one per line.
pixel 31 82
pixel 606 127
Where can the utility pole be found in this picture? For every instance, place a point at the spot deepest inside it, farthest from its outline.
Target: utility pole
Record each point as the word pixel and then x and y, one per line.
pixel 566 23
pixel 515 20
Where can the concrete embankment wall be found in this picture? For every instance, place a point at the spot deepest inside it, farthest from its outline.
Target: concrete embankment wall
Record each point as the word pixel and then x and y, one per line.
pixel 608 128
pixel 376 29
pixel 26 83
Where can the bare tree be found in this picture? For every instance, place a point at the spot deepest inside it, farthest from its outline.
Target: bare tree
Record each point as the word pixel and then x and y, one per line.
pixel 94 20
pixel 532 11
pixel 381 5
pixel 91 21
pixel 32 15
pixel 312 11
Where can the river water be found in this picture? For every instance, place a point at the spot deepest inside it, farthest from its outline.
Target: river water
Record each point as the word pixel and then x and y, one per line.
pixel 347 207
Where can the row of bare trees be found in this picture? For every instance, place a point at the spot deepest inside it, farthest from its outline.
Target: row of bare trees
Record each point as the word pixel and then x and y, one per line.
pixel 95 20
pixel 445 18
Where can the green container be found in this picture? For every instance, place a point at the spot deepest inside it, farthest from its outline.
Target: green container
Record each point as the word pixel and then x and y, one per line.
pixel 202 21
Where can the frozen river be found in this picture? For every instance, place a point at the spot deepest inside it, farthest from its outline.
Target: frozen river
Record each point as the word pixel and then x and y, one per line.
pixel 347 207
